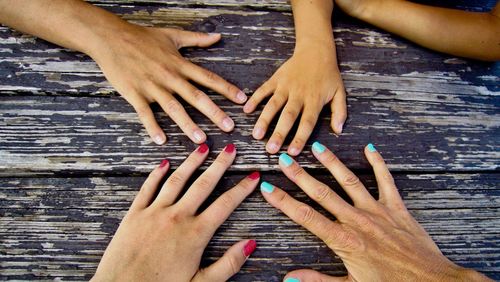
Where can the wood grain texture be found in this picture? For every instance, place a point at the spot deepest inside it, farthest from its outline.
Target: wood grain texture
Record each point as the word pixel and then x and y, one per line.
pixel 435 112
pixel 59 227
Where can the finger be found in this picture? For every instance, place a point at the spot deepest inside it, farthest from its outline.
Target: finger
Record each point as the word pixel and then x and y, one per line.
pixel 262 92
pixel 309 275
pixel 185 38
pixel 229 264
pixel 330 232
pixel 316 190
pixel 204 185
pixel 347 180
pixel 388 192
pixel 148 189
pixel 339 110
pixel 285 122
pixel 222 208
pixel 306 127
pixel 204 104
pixel 176 182
pixel 147 118
pixel 272 107
pixel 178 114
pixel 215 82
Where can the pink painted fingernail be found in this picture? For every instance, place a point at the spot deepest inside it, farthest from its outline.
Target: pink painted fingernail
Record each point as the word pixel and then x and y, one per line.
pixel 163 163
pixel 293 151
pixel 229 148
pixel 202 149
pixel 159 139
pixel 198 135
pixel 258 133
pixel 249 247
pixel 254 175
pixel 227 123
pixel 241 97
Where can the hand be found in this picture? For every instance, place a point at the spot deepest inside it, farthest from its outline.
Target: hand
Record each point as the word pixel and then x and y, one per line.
pixel 145 66
pixel 161 238
pixel 376 240
pixel 302 85
pixel 357 8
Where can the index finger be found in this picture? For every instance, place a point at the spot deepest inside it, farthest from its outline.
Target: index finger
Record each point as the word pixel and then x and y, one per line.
pixel 330 232
pixel 215 82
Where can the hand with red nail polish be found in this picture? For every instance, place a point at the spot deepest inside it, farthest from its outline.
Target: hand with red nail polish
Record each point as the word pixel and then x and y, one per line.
pixel 163 237
pixel 142 63
pixel 377 239
pixel 304 84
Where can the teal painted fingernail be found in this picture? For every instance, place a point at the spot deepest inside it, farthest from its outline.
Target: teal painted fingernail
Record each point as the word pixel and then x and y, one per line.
pixel 286 160
pixel 371 148
pixel 291 279
pixel 266 187
pixel 318 147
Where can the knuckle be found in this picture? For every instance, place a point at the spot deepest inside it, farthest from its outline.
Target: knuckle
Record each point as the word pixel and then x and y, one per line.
pixel 197 94
pixel 290 113
pixel 298 172
pixel 309 123
pixel 305 214
pixel 364 222
pixel 211 76
pixel 175 180
pixel 350 180
pixel 142 110
pixel 172 106
pixel 345 240
pixel 227 200
pixel 204 182
pixel 233 264
pixel 231 89
pixel 331 158
pixel 322 193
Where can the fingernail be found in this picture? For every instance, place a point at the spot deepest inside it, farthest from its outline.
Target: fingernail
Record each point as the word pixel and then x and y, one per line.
pixel 198 135
pixel 159 139
pixel 266 187
pixel 202 148
pixel 241 97
pixel 286 160
pixel 213 34
pixel 246 107
pixel 293 151
pixel 339 127
pixel 249 247
pixel 258 133
pixel 318 147
pixel 163 163
pixel 227 123
pixel 292 279
pixel 273 147
pixel 371 148
pixel 229 148
pixel 254 175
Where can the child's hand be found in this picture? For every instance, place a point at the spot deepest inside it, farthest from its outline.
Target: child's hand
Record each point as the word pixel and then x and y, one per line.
pixel 145 66
pixel 301 86
pixel 376 240
pixel 162 238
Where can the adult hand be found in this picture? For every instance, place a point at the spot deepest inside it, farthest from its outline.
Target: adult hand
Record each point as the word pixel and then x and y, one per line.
pixel 305 83
pixel 376 240
pixel 145 66
pixel 161 238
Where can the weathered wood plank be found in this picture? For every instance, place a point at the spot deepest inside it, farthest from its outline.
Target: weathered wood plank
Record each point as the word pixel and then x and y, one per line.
pixel 103 135
pixel 59 227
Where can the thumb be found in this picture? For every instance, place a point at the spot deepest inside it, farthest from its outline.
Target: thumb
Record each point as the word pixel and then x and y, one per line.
pixel 229 264
pixel 309 275
pixel 339 110
pixel 189 38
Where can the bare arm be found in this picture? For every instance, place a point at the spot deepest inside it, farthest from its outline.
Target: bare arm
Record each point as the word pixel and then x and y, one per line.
pixel 142 63
pixel 460 33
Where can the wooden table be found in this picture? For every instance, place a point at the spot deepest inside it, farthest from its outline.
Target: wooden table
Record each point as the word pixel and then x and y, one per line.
pixel 73 153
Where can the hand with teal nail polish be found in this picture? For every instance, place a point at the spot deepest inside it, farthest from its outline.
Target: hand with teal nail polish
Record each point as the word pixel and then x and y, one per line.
pixel 163 235
pixel 378 240
pixel 304 84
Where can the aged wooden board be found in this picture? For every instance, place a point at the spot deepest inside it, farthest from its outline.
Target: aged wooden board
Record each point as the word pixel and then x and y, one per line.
pixel 59 227
pixel 101 134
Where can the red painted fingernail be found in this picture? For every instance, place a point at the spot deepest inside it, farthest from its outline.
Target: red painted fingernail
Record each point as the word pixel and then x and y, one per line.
pixel 229 148
pixel 163 163
pixel 202 148
pixel 249 247
pixel 254 175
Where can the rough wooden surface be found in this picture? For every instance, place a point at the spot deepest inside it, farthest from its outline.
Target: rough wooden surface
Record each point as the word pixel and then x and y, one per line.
pixel 434 117
pixel 59 227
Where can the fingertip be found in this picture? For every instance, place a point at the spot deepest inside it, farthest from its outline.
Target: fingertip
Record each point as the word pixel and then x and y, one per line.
pixel 159 138
pixel 294 151
pixel 285 160
pixel 258 133
pixel 249 247
pixel 199 136
pixel 266 187
pixel 248 108
pixel 272 147
pixel 241 97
